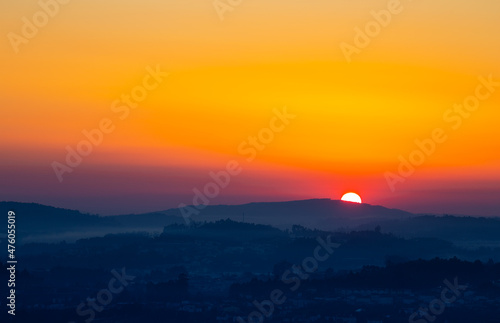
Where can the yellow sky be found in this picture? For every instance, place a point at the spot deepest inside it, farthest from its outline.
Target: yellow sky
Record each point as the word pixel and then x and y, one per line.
pixel 225 78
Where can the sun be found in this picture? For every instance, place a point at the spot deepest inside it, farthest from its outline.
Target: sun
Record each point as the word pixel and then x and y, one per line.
pixel 351 197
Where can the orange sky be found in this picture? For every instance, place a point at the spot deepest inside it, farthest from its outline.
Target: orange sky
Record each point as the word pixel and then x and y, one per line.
pixel 353 120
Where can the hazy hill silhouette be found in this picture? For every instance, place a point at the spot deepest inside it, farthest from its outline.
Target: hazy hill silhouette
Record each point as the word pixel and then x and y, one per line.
pixel 37 222
pixel 314 213
pixel 453 228
pixel 38 218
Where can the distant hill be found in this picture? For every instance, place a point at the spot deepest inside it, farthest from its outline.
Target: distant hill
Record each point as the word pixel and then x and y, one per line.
pixel 316 213
pixel 41 221
pixel 38 218
pixel 36 222
pixel 451 228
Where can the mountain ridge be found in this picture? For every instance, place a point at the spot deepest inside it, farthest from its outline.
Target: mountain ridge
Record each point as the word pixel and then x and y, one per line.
pixel 38 222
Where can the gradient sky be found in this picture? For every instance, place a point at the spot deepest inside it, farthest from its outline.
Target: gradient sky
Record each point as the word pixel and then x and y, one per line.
pixel 352 121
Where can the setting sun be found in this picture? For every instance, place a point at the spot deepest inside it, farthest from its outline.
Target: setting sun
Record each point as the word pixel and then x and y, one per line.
pixel 351 197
